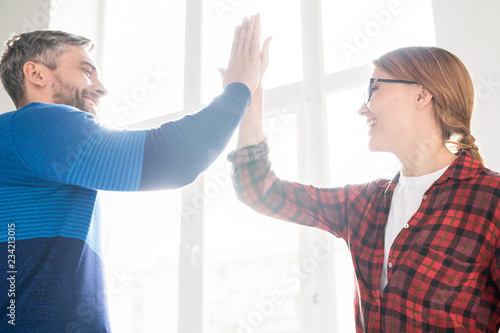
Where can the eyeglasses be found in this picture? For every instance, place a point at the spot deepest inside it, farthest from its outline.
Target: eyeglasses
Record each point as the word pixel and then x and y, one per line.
pixel 369 92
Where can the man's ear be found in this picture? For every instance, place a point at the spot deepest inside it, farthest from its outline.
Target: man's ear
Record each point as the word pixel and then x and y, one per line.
pixel 35 73
pixel 424 98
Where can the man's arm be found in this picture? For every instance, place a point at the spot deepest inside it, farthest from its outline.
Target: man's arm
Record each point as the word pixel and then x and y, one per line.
pixel 61 144
pixel 177 152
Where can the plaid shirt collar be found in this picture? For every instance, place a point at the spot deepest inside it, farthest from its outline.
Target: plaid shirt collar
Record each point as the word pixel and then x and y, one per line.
pixel 463 167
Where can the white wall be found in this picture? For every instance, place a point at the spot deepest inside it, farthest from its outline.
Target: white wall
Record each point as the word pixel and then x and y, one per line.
pixel 471 30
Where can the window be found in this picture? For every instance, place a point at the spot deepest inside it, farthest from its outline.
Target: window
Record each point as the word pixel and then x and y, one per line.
pixel 242 271
pixel 349 154
pixel 250 258
pixel 141 237
pixel 355 32
pixel 219 21
pixel 143 60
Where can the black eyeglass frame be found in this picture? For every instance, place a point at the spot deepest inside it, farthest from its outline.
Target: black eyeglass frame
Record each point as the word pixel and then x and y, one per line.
pixel 369 93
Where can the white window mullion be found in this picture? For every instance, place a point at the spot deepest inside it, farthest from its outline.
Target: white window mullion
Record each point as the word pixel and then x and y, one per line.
pixel 317 261
pixel 191 317
pixel 313 139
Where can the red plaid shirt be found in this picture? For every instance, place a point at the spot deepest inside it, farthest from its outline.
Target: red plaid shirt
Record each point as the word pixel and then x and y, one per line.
pixel 443 267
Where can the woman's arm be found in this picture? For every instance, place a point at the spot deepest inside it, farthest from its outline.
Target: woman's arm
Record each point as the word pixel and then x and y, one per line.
pixel 250 130
pixel 257 186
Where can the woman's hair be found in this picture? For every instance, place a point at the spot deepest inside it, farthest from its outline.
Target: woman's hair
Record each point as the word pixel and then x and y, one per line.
pixel 42 46
pixel 447 80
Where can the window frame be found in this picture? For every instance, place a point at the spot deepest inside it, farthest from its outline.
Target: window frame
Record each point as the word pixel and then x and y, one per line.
pixel 318 291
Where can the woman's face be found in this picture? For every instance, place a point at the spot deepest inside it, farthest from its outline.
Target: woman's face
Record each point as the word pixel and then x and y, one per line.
pixel 389 114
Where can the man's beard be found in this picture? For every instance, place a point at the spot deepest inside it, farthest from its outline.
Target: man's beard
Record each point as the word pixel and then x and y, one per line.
pixel 68 94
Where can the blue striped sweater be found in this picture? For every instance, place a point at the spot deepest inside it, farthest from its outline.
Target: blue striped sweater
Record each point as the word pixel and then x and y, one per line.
pixel 53 160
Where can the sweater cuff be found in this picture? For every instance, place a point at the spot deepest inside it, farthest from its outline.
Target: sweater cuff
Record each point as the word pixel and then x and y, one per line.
pixel 238 93
pixel 250 154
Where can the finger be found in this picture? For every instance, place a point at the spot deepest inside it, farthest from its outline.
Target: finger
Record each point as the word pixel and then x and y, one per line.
pixel 247 41
pixel 235 46
pixel 255 43
pixel 222 72
pixel 264 55
pixel 242 35
pixel 238 37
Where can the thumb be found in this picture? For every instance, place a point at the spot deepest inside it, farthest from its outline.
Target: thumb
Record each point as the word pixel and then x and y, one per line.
pixel 222 72
pixel 265 48
pixel 264 56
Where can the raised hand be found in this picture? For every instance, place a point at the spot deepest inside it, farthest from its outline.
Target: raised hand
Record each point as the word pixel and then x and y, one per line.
pixel 245 60
pixel 251 129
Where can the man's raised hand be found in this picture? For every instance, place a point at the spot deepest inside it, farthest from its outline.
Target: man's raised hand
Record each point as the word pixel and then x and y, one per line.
pixel 245 60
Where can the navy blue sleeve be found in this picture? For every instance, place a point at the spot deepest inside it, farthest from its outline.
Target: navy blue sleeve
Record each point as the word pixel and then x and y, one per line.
pixel 178 151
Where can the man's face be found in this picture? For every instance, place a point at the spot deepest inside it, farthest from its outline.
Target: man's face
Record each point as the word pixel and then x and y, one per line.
pixel 75 81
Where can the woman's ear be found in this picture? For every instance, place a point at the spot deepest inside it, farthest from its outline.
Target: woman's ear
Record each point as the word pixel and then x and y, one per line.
pixel 424 98
pixel 35 74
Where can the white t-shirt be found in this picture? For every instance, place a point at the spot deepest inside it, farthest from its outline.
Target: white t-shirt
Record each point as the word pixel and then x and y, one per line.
pixel 406 200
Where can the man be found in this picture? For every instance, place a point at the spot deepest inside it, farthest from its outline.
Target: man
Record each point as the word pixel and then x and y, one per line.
pixel 55 156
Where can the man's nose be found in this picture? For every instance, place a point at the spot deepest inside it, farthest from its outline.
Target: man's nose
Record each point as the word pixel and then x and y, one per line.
pixel 100 88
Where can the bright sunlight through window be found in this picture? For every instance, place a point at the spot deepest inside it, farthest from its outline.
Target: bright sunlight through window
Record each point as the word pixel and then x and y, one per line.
pixel 253 279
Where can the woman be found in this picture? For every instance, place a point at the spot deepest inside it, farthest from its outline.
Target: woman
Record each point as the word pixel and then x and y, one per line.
pixel 425 245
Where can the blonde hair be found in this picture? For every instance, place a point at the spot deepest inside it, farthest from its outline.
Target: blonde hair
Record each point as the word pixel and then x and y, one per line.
pixel 447 80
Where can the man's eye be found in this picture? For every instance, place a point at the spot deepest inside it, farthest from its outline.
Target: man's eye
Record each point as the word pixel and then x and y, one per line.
pixel 87 72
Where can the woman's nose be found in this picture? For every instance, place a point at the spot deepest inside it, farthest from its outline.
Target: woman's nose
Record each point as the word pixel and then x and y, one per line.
pixel 363 109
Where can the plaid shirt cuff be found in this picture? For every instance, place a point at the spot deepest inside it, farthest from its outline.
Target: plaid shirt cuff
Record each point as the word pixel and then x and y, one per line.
pixel 250 154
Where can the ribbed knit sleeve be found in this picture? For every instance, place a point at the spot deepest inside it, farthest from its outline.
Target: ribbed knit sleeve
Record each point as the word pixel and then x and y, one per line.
pixel 63 145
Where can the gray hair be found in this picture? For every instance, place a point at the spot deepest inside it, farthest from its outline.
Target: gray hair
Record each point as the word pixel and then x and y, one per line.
pixel 41 46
